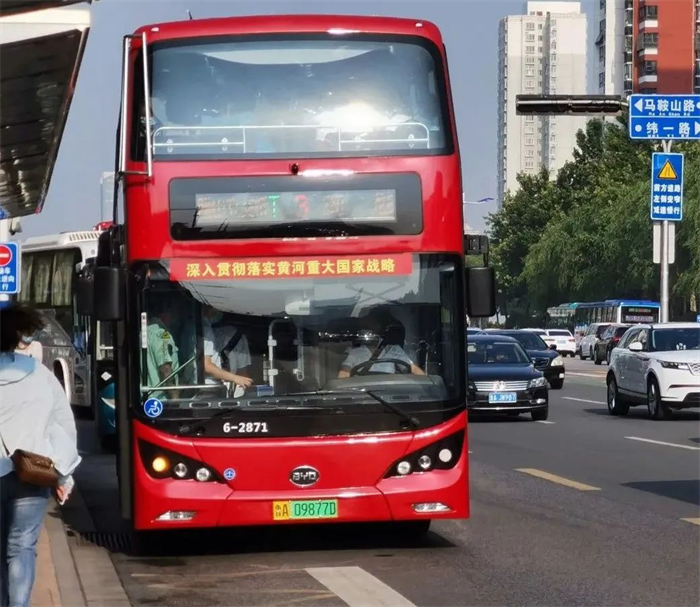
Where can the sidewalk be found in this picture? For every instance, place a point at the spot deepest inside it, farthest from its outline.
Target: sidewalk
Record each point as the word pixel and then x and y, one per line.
pixel 72 573
pixel 45 593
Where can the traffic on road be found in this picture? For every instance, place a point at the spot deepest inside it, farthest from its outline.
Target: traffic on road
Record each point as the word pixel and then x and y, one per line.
pixel 298 375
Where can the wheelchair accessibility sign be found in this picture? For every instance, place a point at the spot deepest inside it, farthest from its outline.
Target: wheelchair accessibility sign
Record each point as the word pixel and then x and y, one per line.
pixel 153 408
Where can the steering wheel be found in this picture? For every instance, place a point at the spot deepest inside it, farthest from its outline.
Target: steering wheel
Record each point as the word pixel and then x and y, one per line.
pixel 363 368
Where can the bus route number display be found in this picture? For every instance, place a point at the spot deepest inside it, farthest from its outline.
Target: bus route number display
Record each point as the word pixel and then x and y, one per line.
pixel 270 208
pixel 631 315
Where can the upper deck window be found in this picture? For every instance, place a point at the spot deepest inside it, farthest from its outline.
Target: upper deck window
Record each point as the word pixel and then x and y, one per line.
pixel 305 96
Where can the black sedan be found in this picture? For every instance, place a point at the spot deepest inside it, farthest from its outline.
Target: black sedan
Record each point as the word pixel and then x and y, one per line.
pixel 613 334
pixel 502 378
pixel 546 360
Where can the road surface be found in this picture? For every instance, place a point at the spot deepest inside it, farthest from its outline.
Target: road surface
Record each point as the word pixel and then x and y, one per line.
pixel 584 509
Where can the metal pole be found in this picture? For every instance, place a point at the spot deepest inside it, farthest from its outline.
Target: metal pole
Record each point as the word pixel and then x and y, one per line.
pixel 664 254
pixel 4 237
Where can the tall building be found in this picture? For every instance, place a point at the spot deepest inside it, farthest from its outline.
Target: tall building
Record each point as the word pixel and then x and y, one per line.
pixel 648 46
pixel 540 52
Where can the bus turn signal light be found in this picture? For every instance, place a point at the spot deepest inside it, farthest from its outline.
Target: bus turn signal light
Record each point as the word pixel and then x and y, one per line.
pixel 160 464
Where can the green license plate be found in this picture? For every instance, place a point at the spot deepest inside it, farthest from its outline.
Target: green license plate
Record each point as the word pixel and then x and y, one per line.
pixel 304 509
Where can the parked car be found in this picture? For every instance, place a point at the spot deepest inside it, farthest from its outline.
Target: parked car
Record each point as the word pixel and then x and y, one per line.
pixel 550 341
pixel 587 344
pixel 503 379
pixel 474 331
pixel 612 336
pixel 563 341
pixel 656 364
pixel 545 359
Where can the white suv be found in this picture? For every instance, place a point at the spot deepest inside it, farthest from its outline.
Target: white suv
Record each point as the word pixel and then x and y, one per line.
pixel 657 365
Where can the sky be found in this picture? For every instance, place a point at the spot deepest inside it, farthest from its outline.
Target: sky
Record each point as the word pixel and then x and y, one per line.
pixel 469 28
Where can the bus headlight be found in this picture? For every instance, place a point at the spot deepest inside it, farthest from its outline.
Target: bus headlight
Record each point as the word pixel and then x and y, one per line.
pixel 440 455
pixel 203 475
pixel 445 455
pixel 181 470
pixel 162 464
pixel 425 462
pixel 403 468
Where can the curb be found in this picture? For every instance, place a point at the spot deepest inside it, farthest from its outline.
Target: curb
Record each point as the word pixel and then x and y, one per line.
pixel 94 580
pixel 69 587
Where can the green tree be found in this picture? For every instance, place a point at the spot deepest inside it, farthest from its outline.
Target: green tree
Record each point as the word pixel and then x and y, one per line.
pixel 587 235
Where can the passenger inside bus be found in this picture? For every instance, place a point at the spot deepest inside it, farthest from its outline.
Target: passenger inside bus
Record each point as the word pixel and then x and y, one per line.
pixel 226 354
pixel 162 355
pixel 363 359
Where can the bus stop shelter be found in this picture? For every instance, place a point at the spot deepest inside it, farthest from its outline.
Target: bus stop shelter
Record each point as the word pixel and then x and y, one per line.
pixel 41 48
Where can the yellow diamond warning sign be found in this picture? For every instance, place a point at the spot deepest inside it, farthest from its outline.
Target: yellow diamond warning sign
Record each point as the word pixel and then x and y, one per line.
pixel 667 171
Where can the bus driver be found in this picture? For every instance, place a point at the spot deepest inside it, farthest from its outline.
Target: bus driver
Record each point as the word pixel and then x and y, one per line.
pixel 389 347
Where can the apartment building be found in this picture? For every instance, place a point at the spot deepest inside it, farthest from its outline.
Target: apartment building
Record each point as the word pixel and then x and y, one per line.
pixel 542 51
pixel 648 46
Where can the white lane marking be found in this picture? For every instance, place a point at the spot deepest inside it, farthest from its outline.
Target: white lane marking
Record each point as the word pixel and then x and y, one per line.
pixel 585 374
pixel 541 421
pixel 560 480
pixel 659 442
pixel 358 588
pixel 693 521
pixel 585 400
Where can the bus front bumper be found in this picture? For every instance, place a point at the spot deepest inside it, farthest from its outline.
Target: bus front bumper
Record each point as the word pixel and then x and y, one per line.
pixel 173 504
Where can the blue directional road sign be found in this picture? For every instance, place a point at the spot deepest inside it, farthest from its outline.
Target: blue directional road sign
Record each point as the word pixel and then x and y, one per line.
pixel 666 187
pixel 664 117
pixel 10 268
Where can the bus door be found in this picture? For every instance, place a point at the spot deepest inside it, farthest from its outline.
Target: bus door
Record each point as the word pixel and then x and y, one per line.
pixel 104 378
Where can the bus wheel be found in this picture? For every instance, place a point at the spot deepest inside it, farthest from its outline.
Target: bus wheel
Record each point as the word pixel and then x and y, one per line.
pixel 145 543
pixel 412 529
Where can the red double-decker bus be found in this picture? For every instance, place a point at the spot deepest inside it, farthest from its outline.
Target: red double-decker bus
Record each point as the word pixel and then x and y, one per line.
pixel 288 287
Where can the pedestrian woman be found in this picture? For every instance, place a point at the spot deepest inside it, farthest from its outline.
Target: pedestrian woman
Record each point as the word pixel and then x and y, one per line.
pixel 30 347
pixel 36 423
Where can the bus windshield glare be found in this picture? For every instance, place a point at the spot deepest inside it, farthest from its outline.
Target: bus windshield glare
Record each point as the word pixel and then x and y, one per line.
pixel 307 96
pixel 285 327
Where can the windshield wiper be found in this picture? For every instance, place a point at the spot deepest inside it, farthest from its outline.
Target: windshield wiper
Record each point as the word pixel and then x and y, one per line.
pixel 409 419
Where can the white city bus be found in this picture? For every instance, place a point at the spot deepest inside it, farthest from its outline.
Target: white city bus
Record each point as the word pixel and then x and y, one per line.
pixel 50 267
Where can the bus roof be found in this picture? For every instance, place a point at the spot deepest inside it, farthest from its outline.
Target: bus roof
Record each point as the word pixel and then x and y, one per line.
pixel 293 24
pixel 85 240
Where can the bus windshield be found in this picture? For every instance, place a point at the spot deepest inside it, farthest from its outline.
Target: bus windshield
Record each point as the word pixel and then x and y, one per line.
pixel 246 333
pixel 281 96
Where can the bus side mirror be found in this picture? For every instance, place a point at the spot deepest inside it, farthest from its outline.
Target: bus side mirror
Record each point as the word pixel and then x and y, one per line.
pixel 84 296
pixel 481 292
pixel 109 295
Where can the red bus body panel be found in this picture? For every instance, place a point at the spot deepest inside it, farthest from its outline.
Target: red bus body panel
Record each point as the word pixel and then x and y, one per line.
pixel 352 468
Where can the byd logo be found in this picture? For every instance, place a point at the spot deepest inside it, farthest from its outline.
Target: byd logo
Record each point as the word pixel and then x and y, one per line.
pixel 304 476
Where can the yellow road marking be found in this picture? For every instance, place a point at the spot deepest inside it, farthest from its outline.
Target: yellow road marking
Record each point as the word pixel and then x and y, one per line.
pixel 694 521
pixel 557 479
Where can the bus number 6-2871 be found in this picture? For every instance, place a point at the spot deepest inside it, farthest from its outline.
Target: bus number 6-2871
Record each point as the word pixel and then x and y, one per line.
pixel 245 427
